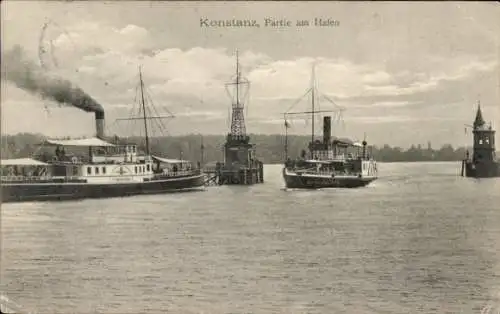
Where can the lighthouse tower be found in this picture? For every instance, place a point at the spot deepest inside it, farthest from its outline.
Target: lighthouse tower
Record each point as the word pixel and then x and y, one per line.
pixel 483 163
pixel 240 165
pixel 484 140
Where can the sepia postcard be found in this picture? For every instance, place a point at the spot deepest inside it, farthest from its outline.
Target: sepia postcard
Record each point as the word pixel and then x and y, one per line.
pixel 250 157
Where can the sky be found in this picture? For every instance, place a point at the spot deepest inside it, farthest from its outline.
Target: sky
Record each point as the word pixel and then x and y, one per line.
pixel 404 73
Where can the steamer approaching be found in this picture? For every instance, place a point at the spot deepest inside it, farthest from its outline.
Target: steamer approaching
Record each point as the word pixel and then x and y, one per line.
pixel 330 163
pixel 96 169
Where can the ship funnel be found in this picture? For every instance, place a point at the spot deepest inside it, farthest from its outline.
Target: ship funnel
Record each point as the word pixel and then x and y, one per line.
pixel 99 124
pixel 327 129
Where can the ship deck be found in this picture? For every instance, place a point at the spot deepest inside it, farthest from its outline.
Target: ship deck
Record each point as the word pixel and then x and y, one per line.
pixel 79 180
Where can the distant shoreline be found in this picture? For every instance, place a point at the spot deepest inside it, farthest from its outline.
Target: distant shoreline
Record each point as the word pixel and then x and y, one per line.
pixel 270 148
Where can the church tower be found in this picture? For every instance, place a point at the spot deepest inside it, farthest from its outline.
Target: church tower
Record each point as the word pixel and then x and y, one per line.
pixel 484 140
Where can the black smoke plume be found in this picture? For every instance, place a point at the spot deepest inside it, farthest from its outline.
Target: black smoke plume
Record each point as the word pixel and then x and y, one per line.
pixel 29 76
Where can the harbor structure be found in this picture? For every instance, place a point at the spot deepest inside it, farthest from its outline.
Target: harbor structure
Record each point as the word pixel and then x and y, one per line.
pixel 240 165
pixel 483 163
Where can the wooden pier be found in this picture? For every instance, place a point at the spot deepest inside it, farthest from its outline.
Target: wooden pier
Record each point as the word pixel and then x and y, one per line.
pixel 244 175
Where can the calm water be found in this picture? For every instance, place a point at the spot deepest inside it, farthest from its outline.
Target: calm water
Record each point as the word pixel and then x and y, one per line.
pixel 419 240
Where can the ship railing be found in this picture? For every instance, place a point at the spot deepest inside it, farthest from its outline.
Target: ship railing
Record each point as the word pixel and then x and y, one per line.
pixel 210 169
pixel 37 178
pixel 315 172
pixel 339 157
pixel 327 172
pixel 226 167
pixel 25 178
pixel 170 173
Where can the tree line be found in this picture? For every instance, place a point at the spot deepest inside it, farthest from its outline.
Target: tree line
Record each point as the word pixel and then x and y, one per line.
pixel 269 148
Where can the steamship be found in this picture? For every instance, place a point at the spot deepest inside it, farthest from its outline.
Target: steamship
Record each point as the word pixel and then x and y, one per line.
pixel 96 168
pixel 330 162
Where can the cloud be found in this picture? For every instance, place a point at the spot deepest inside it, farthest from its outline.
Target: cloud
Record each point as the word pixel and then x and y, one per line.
pixel 384 119
pixel 88 36
pixel 377 78
pixel 387 104
pixel 104 60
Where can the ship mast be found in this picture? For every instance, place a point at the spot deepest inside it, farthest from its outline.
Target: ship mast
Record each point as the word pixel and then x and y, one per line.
pixel 144 112
pixel 237 79
pixel 237 113
pixel 142 107
pixel 312 102
pixel 313 111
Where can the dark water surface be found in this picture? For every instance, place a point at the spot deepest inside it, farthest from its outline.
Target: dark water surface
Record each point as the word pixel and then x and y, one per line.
pixel 419 240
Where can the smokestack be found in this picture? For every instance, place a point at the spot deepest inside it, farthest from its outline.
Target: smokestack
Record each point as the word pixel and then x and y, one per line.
pixel 99 124
pixel 27 75
pixel 327 128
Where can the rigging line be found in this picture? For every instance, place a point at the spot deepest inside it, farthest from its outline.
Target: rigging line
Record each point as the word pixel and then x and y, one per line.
pixel 134 109
pixel 147 95
pixel 328 99
pixel 140 90
pixel 299 99
pixel 135 98
pixel 164 129
pixel 151 126
pixel 131 110
pixel 165 109
pixel 340 108
pixel 134 104
pixel 148 92
pixel 340 117
pixel 159 121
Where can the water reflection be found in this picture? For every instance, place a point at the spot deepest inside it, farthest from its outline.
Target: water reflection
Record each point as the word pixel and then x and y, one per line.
pixel 415 243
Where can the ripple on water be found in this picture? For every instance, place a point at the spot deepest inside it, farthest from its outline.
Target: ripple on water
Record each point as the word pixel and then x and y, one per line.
pixel 418 240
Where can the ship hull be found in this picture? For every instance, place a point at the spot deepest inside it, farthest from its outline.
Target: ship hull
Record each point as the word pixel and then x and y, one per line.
pixel 478 170
pixel 53 191
pixel 294 180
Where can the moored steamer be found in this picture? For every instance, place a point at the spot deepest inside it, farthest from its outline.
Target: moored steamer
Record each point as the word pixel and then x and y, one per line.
pixel 108 171
pixel 96 169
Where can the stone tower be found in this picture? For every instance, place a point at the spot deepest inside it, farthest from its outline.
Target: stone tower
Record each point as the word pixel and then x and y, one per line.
pixel 484 140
